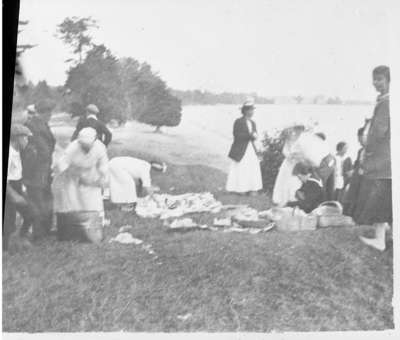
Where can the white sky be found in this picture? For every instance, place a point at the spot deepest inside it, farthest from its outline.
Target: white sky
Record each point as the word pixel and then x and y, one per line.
pixel 272 47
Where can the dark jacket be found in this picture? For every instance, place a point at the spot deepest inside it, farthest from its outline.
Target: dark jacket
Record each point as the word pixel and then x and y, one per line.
pixel 37 157
pixel 42 137
pixel 309 196
pixel 103 133
pixel 242 137
pixel 377 162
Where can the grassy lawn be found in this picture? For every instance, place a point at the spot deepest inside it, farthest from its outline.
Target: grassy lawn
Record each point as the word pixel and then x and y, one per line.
pixel 299 281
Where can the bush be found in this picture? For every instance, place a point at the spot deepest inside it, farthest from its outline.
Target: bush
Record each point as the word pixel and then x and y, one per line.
pixel 272 158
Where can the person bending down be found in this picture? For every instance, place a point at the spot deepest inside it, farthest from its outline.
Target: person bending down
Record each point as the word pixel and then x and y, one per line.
pixel 128 173
pixel 311 194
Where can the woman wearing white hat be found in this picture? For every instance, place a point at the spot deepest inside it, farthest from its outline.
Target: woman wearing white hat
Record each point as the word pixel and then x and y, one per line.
pixel 245 172
pixel 80 175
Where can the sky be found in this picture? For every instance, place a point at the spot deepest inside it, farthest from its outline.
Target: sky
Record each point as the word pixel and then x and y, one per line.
pixel 272 47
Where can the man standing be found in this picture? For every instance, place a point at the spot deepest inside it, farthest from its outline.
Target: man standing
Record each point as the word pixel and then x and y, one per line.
pixel 36 161
pixel 90 120
pixel 15 197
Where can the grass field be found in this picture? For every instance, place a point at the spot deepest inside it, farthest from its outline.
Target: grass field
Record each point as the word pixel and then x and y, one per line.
pixel 300 281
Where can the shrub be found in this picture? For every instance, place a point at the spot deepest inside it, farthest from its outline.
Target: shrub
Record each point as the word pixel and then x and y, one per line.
pixel 272 158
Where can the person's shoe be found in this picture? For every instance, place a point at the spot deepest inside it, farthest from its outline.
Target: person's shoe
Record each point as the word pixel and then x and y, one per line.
pixel 374 242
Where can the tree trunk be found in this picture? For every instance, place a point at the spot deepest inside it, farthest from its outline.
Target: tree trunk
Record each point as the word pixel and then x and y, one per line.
pixel 158 129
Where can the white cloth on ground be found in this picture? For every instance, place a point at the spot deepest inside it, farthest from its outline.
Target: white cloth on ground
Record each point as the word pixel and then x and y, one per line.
pixel 76 186
pixel 165 206
pixel 123 172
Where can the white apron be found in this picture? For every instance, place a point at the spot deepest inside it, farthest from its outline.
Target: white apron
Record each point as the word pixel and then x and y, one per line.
pixel 70 195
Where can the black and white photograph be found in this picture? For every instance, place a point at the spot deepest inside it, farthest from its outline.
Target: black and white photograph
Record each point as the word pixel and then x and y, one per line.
pixel 200 166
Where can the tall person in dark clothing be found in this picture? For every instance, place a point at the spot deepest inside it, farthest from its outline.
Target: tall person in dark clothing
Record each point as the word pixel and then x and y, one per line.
pixel 36 163
pixel 375 205
pixel 90 119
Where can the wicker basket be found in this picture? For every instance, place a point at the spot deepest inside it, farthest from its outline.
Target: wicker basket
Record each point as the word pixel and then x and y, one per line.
pixel 330 214
pixel 326 221
pixel 328 208
pixel 83 226
pixel 295 222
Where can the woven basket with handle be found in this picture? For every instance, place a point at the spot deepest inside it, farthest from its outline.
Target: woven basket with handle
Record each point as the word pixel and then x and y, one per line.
pixel 330 214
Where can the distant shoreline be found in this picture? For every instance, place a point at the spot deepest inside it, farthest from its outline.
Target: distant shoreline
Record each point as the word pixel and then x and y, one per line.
pixel 291 104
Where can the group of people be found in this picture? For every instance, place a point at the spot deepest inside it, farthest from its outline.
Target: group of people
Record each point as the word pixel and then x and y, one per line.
pixel 311 174
pixel 40 187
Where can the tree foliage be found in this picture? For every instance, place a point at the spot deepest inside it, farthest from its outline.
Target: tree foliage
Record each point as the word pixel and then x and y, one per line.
pixel 122 89
pixel 74 32
pixel 198 97
pixel 272 158
pixel 96 80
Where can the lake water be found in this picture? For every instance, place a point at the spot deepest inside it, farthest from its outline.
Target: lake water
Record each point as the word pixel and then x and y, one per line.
pixel 338 122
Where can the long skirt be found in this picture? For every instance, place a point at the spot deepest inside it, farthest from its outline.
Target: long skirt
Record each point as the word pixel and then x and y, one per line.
pixel 374 202
pixel 245 176
pixel 286 184
pixel 69 195
pixel 351 196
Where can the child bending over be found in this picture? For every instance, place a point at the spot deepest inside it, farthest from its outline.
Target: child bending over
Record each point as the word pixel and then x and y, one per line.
pixel 310 195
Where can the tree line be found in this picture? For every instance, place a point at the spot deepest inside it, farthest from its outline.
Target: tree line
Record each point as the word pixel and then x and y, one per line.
pixel 199 97
pixel 122 88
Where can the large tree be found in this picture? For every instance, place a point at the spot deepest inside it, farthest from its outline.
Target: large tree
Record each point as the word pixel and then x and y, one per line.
pixel 74 32
pixel 147 97
pixel 96 80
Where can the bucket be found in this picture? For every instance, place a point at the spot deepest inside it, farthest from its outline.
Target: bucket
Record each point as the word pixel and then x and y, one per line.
pixel 83 226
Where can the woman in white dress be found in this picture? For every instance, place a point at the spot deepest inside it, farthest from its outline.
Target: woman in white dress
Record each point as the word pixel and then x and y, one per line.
pixel 125 174
pixel 80 175
pixel 286 184
pixel 245 172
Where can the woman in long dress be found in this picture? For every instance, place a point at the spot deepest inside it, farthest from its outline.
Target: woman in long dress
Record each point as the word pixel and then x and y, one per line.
pixel 80 175
pixel 245 172
pixel 375 197
pixel 286 184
